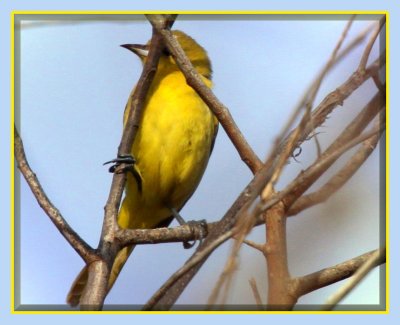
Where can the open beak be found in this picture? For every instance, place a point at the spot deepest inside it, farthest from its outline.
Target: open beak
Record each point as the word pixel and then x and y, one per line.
pixel 140 50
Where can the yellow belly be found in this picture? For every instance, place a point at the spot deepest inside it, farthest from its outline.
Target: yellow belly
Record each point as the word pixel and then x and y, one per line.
pixel 171 149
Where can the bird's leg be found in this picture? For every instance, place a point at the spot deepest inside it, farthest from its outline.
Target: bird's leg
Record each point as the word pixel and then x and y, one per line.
pixel 182 222
pixel 129 166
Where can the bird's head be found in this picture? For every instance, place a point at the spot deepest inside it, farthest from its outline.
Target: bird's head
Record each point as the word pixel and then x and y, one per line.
pixel 196 54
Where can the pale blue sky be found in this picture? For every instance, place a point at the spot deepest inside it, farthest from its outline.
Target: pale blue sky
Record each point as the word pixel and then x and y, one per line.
pixel 75 80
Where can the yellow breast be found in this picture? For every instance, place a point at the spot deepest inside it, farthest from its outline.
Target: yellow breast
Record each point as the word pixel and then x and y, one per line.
pixel 171 149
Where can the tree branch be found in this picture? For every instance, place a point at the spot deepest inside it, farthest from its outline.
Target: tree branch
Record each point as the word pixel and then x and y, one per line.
pixel 256 293
pixel 376 258
pixel 343 141
pixel 328 67
pixel 303 285
pixel 187 232
pixel 87 253
pixel 371 42
pixel 338 180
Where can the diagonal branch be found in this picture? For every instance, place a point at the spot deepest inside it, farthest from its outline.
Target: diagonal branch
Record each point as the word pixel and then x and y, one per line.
pixel 300 286
pixel 338 180
pixel 328 67
pixel 376 258
pixel 87 253
pixel 221 112
pixel 371 42
pixel 308 177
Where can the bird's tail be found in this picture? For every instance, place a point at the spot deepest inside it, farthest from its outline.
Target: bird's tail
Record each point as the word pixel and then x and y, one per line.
pixel 79 285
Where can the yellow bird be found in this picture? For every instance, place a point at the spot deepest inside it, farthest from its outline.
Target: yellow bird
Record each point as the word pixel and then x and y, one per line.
pixel 172 147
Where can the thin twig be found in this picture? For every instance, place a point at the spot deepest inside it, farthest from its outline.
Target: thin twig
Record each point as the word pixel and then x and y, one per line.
pixel 308 283
pixel 376 104
pixel 376 258
pixel 256 293
pixel 257 246
pixel 316 86
pixel 338 180
pixel 224 280
pixel 307 178
pixel 302 102
pixel 368 48
pixel 343 142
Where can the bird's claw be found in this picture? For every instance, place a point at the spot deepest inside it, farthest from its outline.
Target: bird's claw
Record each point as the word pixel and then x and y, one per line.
pixel 203 225
pixel 128 160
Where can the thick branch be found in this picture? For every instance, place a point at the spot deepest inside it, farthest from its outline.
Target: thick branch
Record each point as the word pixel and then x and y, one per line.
pixel 276 256
pixel 87 253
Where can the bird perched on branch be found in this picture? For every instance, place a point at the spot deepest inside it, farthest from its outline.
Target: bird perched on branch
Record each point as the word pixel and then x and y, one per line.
pixel 171 150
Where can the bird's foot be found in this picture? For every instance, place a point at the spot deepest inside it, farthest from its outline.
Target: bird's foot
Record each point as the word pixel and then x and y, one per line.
pixel 123 164
pixel 191 224
pixel 127 160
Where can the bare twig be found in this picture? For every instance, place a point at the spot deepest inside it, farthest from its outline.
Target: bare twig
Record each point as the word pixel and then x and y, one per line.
pixel 368 48
pixel 302 103
pixel 256 293
pixel 328 65
pixel 87 253
pixel 376 105
pixel 338 180
pixel 307 178
pixel 187 232
pixel 224 280
pixel 257 246
pixel 316 86
pixel 378 257
pixel 328 104
pixel 314 281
